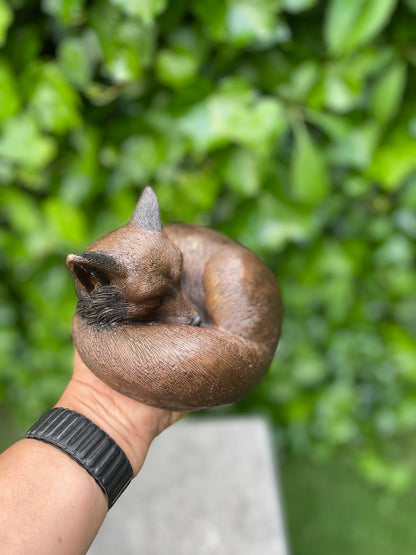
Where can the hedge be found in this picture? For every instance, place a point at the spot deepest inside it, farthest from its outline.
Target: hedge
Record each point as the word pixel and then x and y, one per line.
pixel 289 125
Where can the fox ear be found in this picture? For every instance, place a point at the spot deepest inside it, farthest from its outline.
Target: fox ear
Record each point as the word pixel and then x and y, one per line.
pixel 92 269
pixel 146 213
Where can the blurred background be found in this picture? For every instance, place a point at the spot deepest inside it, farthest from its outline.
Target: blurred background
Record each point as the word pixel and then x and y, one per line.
pixel 289 125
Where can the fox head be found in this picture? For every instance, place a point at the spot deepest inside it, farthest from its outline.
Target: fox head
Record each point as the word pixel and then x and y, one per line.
pixel 132 274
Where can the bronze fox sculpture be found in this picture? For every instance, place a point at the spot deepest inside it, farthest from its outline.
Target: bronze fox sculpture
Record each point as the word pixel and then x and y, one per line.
pixel 180 317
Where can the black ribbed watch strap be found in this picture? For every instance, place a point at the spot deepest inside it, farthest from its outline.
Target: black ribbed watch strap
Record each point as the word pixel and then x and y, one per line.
pixel 89 446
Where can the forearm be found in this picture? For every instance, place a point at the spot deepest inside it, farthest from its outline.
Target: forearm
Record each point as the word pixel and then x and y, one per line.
pixel 49 503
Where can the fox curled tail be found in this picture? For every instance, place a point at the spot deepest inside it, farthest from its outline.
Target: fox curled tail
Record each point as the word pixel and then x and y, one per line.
pixel 180 317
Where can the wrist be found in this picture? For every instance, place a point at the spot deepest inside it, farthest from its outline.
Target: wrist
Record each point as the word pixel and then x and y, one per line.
pixel 88 445
pixel 109 414
pixel 132 425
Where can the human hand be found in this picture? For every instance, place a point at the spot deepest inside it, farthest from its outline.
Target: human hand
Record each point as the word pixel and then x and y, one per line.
pixel 131 424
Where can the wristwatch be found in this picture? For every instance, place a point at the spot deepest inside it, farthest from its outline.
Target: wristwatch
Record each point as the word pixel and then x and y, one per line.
pixel 88 445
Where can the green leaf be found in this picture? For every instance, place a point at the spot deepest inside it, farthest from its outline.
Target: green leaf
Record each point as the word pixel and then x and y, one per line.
pixel 341 95
pixel 6 18
pixel 176 69
pixel 65 223
pixel 9 98
pixel 145 10
pixel 402 350
pixel 397 251
pixel 66 11
pixel 81 166
pixel 242 172
pixel 408 197
pixel 23 214
pixel 338 95
pixel 77 58
pixel 357 186
pixel 395 159
pixel 380 472
pixel 334 418
pixel 140 157
pixel 25 43
pixel 296 6
pixel 193 194
pixel 345 80
pixel 406 414
pixel 200 187
pixel 234 113
pixel 271 224
pixel 53 102
pixel 241 22
pixel 22 143
pixel 352 23
pixel 411 4
pixel 388 92
pixel 265 122
pixel 335 126
pixel 308 369
pixel 309 173
pixel 127 44
pixel 356 148
pixel 248 22
pixel 213 18
pixel 300 82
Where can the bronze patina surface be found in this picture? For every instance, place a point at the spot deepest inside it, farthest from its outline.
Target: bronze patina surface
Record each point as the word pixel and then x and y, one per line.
pixel 180 317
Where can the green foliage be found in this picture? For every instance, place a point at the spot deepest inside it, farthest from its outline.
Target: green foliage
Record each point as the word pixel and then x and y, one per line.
pixel 6 17
pixel 309 174
pixel 289 125
pixel 349 25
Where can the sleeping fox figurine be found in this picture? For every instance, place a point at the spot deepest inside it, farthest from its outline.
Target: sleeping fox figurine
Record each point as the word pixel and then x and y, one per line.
pixel 177 317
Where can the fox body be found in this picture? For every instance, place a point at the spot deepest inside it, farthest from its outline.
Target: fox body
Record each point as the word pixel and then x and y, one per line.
pixel 181 317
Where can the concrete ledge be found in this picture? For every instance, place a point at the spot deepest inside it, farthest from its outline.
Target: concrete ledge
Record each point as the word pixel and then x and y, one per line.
pixel 207 488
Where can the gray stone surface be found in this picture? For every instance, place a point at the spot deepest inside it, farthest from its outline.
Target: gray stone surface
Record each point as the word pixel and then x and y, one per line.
pixel 207 488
